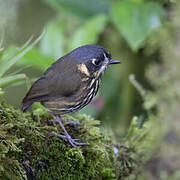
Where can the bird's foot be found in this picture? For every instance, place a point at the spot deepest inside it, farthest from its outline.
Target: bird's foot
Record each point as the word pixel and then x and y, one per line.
pixel 73 142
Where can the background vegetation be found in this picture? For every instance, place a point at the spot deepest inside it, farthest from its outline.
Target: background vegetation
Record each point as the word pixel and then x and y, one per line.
pixel 143 34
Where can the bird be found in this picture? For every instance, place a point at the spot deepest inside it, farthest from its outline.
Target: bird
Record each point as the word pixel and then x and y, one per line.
pixel 70 83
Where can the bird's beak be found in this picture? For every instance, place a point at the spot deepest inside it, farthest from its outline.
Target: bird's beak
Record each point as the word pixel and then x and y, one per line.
pixel 114 61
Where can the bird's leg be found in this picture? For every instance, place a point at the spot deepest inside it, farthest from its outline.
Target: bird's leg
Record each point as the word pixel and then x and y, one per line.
pixel 66 135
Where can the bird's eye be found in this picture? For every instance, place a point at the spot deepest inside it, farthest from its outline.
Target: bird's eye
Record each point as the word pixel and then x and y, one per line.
pixel 96 62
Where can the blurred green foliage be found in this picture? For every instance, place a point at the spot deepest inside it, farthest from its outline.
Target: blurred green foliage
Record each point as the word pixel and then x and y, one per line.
pixel 136 20
pixel 82 9
pixel 9 58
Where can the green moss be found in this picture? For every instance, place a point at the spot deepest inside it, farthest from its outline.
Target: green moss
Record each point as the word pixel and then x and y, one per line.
pixel 28 141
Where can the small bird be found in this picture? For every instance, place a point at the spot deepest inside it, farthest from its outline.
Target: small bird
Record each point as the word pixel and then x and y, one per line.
pixel 70 83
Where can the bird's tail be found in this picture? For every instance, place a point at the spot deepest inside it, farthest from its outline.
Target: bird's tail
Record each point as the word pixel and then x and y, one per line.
pixel 37 93
pixel 25 106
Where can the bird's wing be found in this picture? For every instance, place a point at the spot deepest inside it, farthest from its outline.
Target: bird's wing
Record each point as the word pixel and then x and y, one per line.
pixel 63 79
pixel 60 80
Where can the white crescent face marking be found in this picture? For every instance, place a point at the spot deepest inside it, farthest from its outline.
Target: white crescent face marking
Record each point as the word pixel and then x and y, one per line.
pixel 104 65
pixel 93 61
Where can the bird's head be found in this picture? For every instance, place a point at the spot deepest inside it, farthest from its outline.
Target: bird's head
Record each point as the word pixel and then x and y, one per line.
pixel 92 60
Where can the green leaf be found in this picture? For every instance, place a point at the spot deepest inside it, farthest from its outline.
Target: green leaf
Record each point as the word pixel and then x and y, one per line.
pixel 12 51
pixel 8 63
pixel 6 81
pixel 82 8
pixel 35 58
pixel 53 42
pixel 136 20
pixel 89 32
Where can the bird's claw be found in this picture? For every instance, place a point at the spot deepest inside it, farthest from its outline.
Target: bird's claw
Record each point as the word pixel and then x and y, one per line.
pixel 72 123
pixel 58 135
pixel 71 141
pixel 75 144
